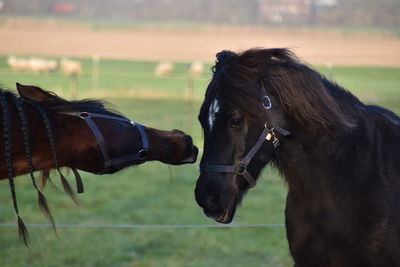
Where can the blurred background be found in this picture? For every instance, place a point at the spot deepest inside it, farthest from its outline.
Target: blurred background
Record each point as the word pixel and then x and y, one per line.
pixel 151 59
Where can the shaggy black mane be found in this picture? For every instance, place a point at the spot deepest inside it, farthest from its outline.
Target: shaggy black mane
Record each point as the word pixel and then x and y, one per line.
pixel 293 82
pixel 238 77
pixel 342 94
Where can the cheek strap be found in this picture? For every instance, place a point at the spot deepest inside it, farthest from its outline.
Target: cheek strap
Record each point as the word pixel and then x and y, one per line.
pixel 240 166
pixel 135 158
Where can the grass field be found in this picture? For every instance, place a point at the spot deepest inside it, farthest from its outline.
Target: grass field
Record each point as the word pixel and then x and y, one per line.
pixel 154 193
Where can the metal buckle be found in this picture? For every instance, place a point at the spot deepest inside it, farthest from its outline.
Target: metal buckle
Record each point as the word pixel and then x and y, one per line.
pixel 272 137
pixel 275 142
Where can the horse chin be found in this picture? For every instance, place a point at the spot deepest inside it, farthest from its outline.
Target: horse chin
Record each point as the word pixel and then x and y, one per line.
pixel 227 216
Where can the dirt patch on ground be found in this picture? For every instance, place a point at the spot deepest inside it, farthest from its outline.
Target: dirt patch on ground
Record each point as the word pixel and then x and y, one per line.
pixel 316 47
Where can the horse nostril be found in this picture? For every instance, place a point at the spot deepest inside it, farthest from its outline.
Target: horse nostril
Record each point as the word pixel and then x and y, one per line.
pixel 213 201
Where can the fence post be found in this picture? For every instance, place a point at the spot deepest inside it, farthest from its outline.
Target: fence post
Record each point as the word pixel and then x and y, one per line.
pixel 74 85
pixel 189 88
pixel 95 71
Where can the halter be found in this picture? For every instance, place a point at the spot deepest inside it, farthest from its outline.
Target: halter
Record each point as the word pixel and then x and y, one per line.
pixel 240 166
pixel 138 157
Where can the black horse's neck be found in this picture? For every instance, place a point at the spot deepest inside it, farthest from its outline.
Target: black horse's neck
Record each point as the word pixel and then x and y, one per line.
pixel 310 157
pixel 301 156
pixel 342 188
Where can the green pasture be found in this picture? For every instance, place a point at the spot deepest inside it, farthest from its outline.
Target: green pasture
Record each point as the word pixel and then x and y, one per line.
pixel 154 193
pixel 116 78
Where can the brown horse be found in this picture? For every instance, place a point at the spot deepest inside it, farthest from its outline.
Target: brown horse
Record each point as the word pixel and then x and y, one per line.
pixel 41 131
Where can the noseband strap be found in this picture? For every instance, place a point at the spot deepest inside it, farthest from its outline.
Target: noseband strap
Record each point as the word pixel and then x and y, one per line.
pixel 240 167
pixel 138 157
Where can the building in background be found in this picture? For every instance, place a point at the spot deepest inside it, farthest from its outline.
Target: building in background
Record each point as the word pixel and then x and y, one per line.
pixel 64 8
pixel 285 11
pixel 291 11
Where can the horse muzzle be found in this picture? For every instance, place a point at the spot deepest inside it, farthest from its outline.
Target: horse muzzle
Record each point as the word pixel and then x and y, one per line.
pixel 217 203
pixel 171 147
pixel 192 152
pixel 222 213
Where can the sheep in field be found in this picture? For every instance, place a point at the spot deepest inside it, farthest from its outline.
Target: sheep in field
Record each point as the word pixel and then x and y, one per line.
pixel 38 65
pixel 34 64
pixel 71 67
pixel 196 69
pixel 17 64
pixel 164 69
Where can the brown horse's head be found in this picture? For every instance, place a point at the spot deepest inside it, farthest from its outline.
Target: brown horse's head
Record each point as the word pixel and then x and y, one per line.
pixel 88 136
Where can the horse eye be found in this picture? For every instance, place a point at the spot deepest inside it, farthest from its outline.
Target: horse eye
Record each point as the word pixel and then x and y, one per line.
pixel 236 123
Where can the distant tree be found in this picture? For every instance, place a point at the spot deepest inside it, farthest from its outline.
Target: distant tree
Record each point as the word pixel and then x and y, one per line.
pixel 362 13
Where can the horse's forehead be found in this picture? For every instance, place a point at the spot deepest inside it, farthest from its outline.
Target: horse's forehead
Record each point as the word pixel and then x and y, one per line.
pixel 212 111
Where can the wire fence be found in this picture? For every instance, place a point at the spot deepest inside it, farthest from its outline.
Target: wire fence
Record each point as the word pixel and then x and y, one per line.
pixel 148 226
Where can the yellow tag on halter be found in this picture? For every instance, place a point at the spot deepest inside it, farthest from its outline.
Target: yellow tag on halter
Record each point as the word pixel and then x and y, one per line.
pixel 268 137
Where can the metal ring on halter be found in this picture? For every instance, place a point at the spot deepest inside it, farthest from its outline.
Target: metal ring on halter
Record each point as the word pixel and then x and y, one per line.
pixel 266 102
pixel 270 129
pixel 241 168
pixel 142 154
pixel 84 115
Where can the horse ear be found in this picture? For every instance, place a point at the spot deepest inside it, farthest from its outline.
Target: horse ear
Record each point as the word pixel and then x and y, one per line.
pixel 34 93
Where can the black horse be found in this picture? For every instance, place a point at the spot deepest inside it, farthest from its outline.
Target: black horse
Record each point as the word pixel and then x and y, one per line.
pixel 339 157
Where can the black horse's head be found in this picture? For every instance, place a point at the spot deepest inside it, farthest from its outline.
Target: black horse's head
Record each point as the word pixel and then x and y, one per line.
pixel 251 99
